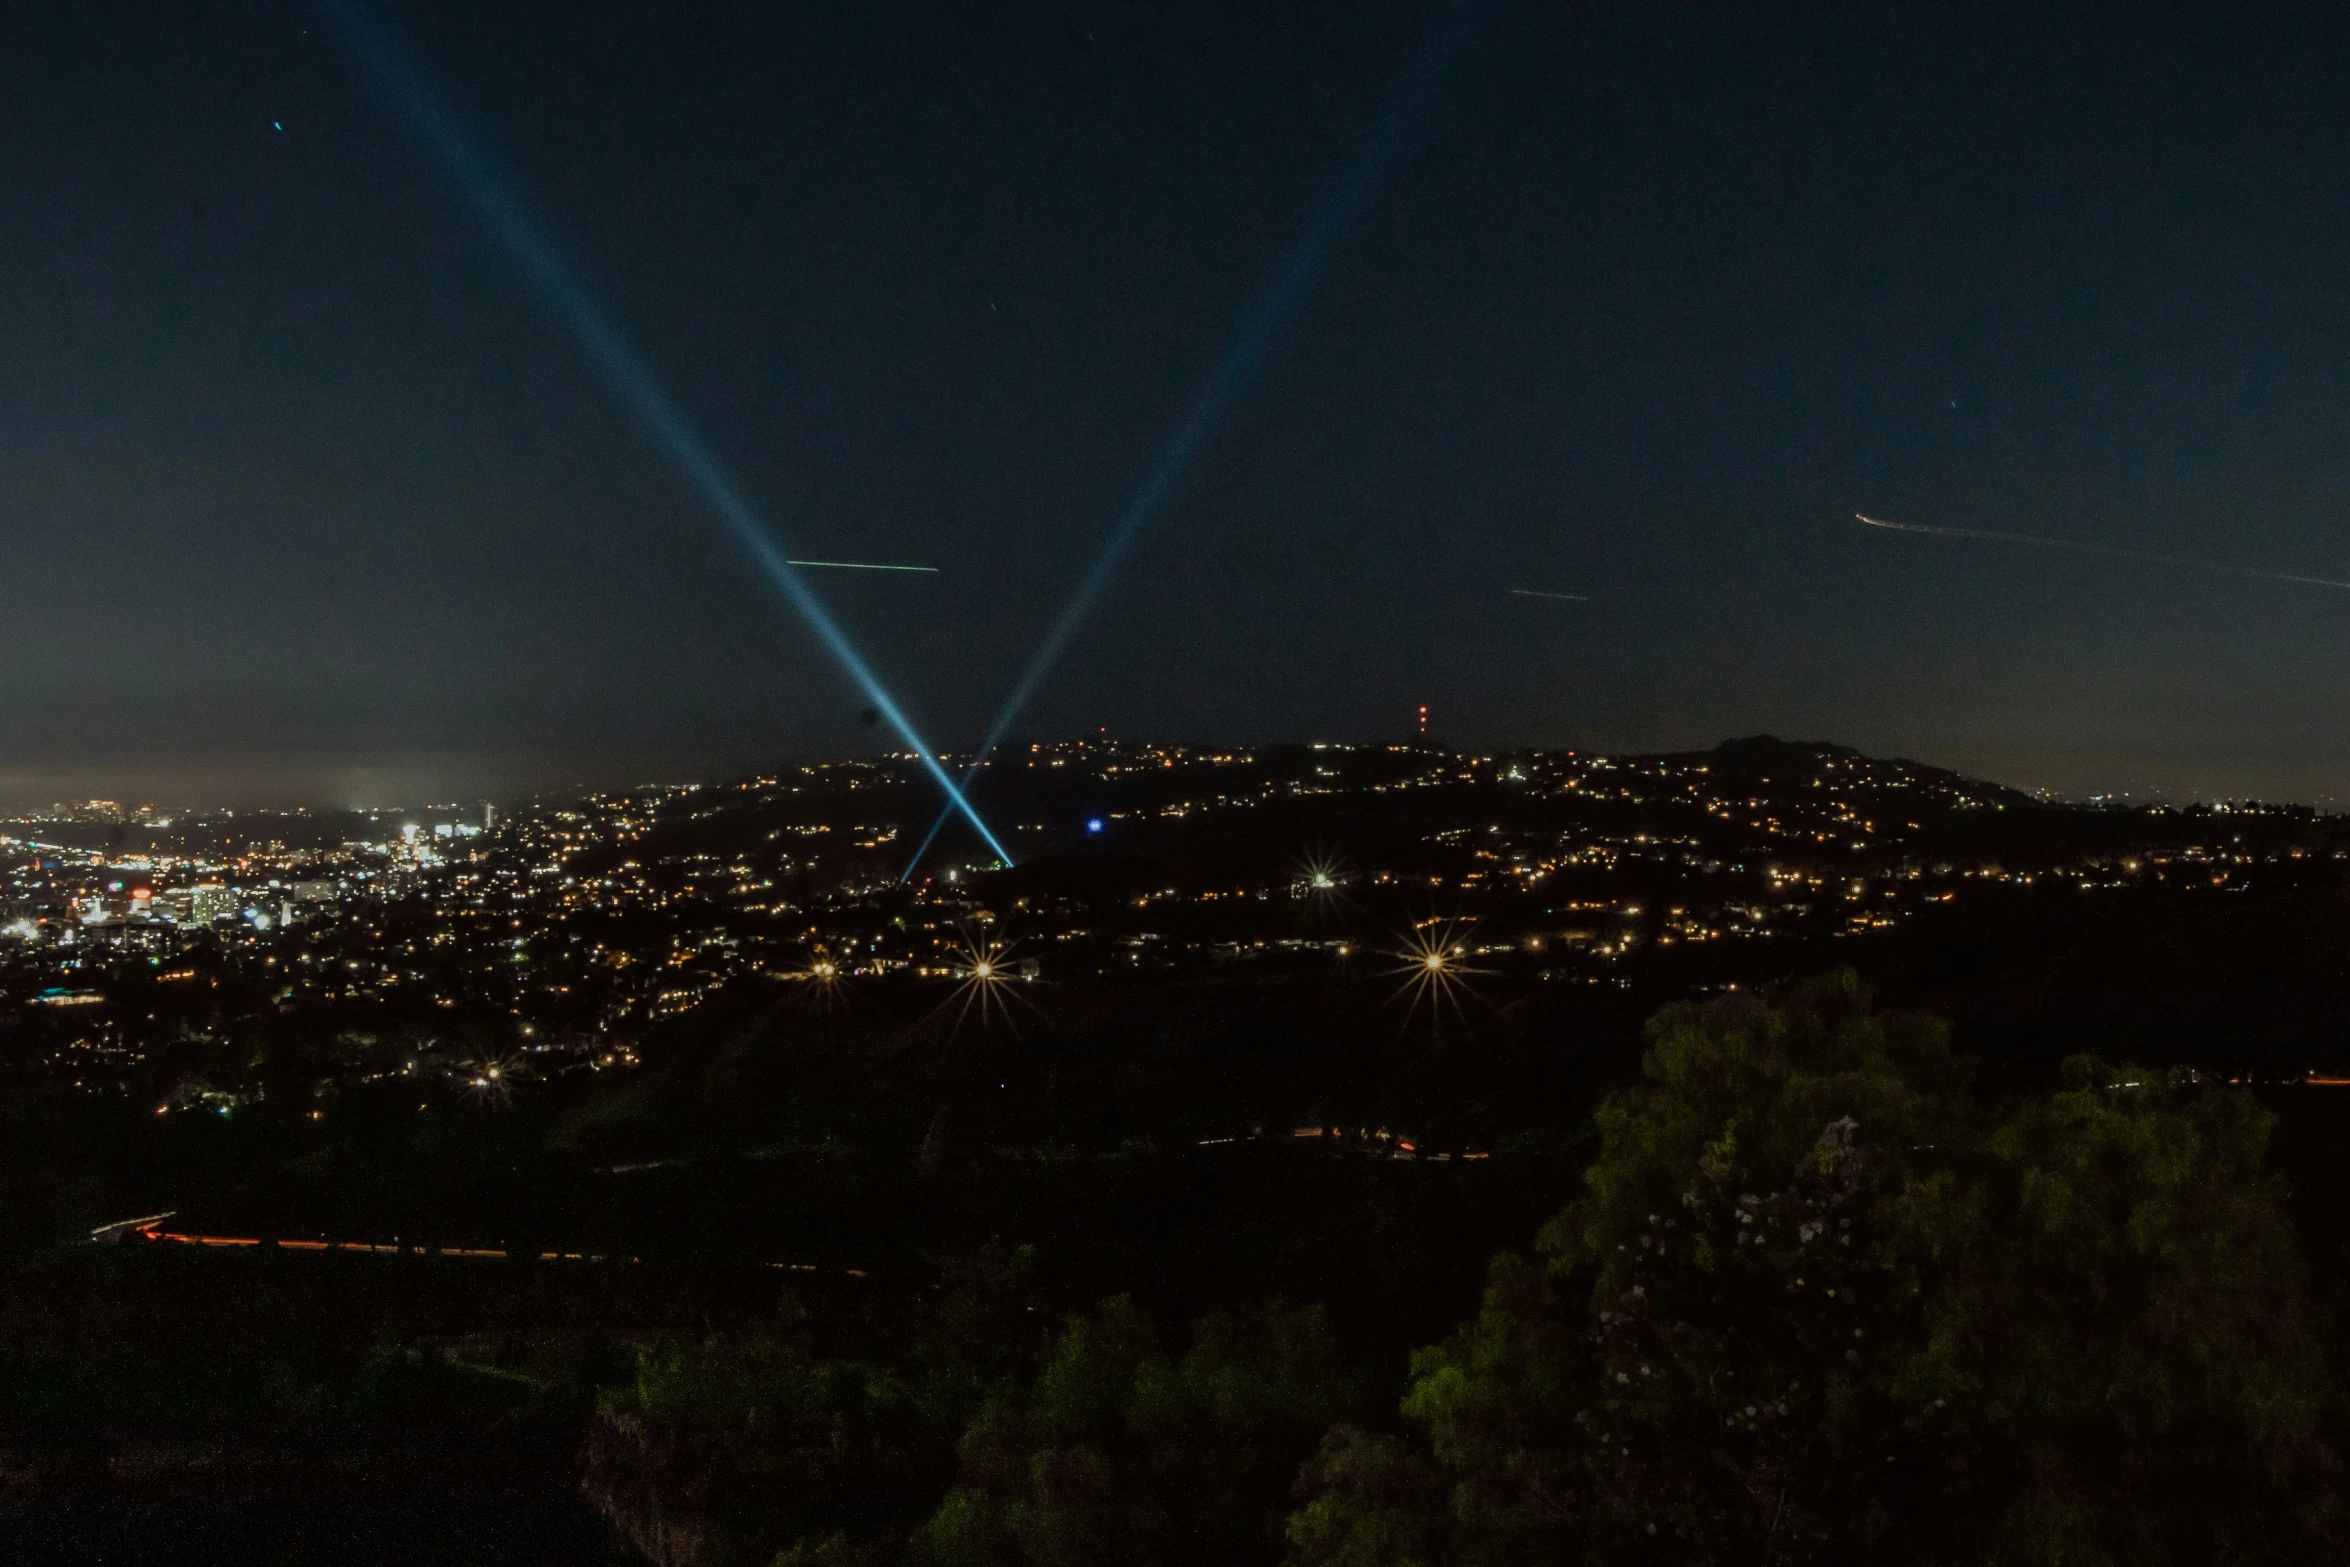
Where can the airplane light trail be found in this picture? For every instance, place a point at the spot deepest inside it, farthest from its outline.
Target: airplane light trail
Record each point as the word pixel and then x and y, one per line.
pixel 1256 334
pixel 501 210
pixel 1531 593
pixel 2114 550
pixel 856 565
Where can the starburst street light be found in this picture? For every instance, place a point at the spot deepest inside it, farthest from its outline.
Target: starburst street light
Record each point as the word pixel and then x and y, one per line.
pixel 1320 885
pixel 982 979
pixel 822 976
pixel 491 1079
pixel 1318 876
pixel 1435 970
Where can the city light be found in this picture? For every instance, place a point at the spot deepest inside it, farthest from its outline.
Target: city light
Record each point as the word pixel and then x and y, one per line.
pixel 982 982
pixel 490 1079
pixel 820 978
pixel 588 923
pixel 1434 971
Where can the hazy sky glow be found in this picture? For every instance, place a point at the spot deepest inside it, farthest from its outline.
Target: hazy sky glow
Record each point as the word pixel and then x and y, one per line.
pixel 305 495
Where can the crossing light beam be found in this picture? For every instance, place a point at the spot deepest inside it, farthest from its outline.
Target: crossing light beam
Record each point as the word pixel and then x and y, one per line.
pixel 500 209
pixel 1216 392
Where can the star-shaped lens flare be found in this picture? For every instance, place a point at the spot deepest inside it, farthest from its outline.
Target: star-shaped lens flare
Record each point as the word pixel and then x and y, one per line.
pixel 1318 877
pixel 822 979
pixel 491 1079
pixel 1435 970
pixel 983 980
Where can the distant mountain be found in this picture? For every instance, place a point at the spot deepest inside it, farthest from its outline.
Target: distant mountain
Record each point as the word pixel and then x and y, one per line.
pixel 1769 759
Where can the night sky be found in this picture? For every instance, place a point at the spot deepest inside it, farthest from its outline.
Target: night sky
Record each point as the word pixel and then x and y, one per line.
pixel 307 492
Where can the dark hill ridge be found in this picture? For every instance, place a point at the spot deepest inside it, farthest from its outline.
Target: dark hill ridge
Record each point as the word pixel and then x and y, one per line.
pixel 1230 870
pixel 869 816
pixel 1764 759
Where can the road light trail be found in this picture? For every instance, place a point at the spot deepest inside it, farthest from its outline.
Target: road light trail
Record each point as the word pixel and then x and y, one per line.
pixel 535 254
pixel 1255 335
pixel 2114 550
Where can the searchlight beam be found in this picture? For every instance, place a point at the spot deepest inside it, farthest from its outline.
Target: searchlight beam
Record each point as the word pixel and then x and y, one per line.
pixel 501 211
pixel 1216 392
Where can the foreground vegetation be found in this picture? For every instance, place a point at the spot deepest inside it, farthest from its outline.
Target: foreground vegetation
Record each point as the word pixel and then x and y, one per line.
pixel 1818 1302
pixel 1806 1292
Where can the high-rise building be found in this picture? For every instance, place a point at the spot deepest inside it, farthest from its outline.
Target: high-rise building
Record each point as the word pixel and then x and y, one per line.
pixel 209 903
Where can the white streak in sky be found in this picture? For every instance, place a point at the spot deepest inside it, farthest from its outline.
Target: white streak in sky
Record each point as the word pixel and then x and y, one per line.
pixel 1531 593
pixel 2114 550
pixel 856 565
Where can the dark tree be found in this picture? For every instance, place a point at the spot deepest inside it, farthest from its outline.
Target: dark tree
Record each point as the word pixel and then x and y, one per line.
pixel 1817 1306
pixel 1118 1453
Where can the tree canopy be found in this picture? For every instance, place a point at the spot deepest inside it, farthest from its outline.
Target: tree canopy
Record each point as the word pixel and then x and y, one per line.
pixel 1118 1452
pixel 1817 1304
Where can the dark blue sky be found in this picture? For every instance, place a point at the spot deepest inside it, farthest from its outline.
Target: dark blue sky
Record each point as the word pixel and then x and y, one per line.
pixel 306 493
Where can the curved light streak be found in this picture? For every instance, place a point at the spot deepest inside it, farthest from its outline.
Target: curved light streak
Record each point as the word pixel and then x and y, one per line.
pixel 501 211
pixel 857 565
pixel 2114 550
pixel 1256 333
